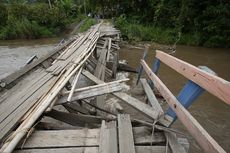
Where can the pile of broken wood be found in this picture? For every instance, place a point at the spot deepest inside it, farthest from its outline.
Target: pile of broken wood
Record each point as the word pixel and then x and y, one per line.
pixel 70 85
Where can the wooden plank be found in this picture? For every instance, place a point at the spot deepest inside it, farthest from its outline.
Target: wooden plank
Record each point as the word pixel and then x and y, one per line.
pixel 143 136
pixel 75 119
pixel 62 138
pixel 60 150
pixel 92 92
pixel 139 149
pixel 173 143
pixel 151 97
pixel 195 129
pixel 125 134
pixel 76 107
pixel 142 107
pixel 138 105
pixel 214 84
pixel 108 138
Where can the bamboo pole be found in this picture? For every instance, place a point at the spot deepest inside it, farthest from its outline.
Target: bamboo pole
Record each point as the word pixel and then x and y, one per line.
pixel 74 85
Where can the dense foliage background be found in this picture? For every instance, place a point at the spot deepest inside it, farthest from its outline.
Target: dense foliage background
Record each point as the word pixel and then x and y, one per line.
pixel 192 22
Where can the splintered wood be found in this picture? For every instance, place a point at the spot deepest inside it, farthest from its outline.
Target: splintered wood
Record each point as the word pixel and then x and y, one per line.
pixel 59 103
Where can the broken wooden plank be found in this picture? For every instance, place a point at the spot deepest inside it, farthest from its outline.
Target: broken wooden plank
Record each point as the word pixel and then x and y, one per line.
pixel 142 107
pixel 151 97
pixel 214 84
pixel 173 143
pixel 196 130
pixel 138 105
pixel 93 92
pixel 125 134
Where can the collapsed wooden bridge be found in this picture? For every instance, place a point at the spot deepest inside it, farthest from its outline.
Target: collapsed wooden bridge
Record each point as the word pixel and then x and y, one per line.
pixel 70 84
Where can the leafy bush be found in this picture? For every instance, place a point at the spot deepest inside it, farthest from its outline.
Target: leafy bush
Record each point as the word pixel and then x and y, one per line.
pixel 87 24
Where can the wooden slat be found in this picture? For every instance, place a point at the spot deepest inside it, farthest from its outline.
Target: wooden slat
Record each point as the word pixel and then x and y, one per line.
pixel 135 103
pixel 75 119
pixel 151 97
pixel 139 149
pixel 173 143
pixel 60 150
pixel 138 105
pixel 92 92
pixel 125 134
pixel 108 138
pixel 208 144
pixel 62 138
pixel 214 84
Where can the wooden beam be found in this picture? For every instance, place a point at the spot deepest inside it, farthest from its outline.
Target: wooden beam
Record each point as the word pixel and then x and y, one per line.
pixel 138 105
pixel 125 134
pixel 214 84
pixel 135 103
pixel 139 149
pixel 93 92
pixel 75 119
pixel 173 143
pixel 108 138
pixel 208 144
pixel 151 97
pixel 62 138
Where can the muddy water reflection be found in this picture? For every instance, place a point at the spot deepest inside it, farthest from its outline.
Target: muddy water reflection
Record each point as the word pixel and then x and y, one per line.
pixel 210 112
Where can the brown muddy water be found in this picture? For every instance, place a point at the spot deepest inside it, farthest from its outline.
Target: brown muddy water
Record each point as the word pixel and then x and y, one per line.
pixel 210 112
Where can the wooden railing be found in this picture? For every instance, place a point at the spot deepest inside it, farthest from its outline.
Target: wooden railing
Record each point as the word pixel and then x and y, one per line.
pixel 214 84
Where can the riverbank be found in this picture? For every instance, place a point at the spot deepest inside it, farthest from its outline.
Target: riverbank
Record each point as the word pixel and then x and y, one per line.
pixel 134 31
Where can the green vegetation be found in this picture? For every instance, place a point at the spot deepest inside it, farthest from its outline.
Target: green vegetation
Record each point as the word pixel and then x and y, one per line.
pixel 87 24
pixel 204 23
pixel 191 22
pixel 22 19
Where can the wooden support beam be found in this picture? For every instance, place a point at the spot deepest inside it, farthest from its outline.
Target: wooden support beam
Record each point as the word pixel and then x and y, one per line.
pixel 208 144
pixel 151 97
pixel 138 105
pixel 125 134
pixel 214 84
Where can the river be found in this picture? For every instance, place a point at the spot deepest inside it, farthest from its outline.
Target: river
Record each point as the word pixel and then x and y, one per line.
pixel 211 113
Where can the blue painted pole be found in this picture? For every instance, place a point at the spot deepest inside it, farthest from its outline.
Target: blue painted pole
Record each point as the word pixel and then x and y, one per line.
pixel 189 93
pixel 187 96
pixel 140 70
pixel 155 68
